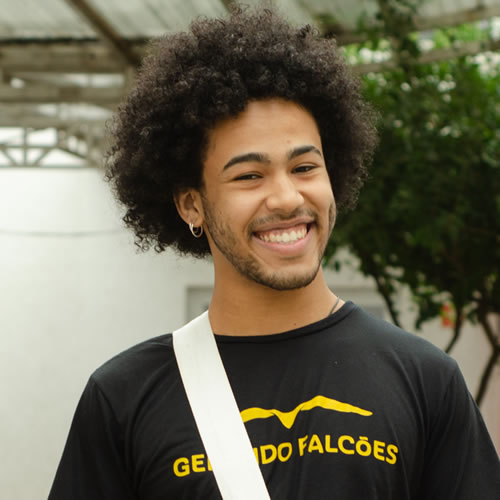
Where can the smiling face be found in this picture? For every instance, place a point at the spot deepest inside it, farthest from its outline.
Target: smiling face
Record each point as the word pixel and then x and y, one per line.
pixel 267 203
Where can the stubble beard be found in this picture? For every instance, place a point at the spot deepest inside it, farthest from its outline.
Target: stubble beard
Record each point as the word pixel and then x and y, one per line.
pixel 248 266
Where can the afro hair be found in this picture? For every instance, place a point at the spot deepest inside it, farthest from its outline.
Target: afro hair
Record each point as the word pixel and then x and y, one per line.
pixel 191 80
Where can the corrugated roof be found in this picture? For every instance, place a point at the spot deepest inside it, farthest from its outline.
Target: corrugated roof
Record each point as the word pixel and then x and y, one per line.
pixel 63 53
pixel 41 19
pixel 58 19
pixel 138 19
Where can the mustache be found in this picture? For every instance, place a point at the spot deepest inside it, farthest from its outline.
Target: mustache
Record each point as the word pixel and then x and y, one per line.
pixel 271 219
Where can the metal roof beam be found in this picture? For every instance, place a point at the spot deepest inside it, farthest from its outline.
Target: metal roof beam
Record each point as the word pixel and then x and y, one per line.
pixel 110 96
pixel 37 121
pixel 120 46
pixel 60 58
pixel 454 19
pixel 30 116
pixel 38 94
pixel 345 36
pixel 467 49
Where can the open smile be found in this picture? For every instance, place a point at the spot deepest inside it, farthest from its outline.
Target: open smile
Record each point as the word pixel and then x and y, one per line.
pixel 287 235
pixel 291 240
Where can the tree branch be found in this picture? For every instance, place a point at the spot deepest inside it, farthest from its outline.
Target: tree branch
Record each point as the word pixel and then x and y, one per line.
pixel 456 329
pixel 485 377
pixel 388 300
pixel 494 357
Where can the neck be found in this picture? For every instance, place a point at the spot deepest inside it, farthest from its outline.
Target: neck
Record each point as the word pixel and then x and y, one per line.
pixel 253 309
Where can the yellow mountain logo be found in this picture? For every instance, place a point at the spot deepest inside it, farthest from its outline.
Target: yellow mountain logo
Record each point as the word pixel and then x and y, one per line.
pixel 288 418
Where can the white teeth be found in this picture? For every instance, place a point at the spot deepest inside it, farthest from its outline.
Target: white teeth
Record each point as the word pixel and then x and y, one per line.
pixel 284 237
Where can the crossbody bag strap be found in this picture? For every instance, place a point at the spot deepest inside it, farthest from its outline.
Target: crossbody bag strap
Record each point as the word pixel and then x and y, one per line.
pixel 216 413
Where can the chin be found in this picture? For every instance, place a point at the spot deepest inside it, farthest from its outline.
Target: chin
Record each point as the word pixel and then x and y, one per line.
pixel 283 281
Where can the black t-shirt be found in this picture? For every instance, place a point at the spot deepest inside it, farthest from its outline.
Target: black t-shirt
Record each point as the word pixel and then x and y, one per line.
pixel 349 407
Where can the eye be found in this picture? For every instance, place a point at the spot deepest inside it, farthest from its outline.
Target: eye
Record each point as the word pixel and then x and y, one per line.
pixel 247 177
pixel 301 169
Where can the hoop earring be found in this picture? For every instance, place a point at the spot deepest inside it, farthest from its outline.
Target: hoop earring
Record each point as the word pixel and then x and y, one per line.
pixel 197 232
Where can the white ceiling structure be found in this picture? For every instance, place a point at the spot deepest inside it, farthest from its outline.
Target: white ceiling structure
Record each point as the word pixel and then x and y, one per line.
pixel 65 64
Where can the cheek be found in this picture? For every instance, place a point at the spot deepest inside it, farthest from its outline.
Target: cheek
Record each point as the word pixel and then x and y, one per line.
pixel 329 190
pixel 241 206
pixel 232 214
pixel 323 194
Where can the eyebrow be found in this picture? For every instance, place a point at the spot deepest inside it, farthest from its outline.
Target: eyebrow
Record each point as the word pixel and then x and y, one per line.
pixel 247 157
pixel 301 150
pixel 263 158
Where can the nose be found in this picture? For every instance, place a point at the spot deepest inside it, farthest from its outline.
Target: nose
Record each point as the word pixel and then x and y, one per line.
pixel 284 195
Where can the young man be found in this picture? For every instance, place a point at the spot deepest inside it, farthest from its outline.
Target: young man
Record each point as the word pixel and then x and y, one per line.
pixel 252 134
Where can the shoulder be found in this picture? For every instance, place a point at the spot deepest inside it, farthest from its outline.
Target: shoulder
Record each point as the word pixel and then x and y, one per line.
pixel 417 374
pixel 133 372
pixel 404 350
pixel 135 358
pixel 378 332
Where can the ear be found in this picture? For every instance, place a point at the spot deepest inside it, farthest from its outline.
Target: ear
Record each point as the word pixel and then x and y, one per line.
pixel 189 206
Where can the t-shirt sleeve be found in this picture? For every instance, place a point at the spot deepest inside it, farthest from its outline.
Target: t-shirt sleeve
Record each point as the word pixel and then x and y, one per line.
pixel 460 460
pixel 92 466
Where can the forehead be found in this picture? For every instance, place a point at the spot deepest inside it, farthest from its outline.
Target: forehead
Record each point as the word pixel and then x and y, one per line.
pixel 268 126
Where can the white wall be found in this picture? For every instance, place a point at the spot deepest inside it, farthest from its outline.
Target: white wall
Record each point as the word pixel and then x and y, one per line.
pixel 74 292
pixel 68 302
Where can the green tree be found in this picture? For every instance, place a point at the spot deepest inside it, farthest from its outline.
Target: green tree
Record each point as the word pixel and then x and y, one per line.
pixel 429 216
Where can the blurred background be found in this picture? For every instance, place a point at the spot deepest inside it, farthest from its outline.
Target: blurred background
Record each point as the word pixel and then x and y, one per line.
pixel 422 249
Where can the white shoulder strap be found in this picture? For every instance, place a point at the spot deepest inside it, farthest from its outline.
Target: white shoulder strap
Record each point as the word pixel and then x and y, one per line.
pixel 216 413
